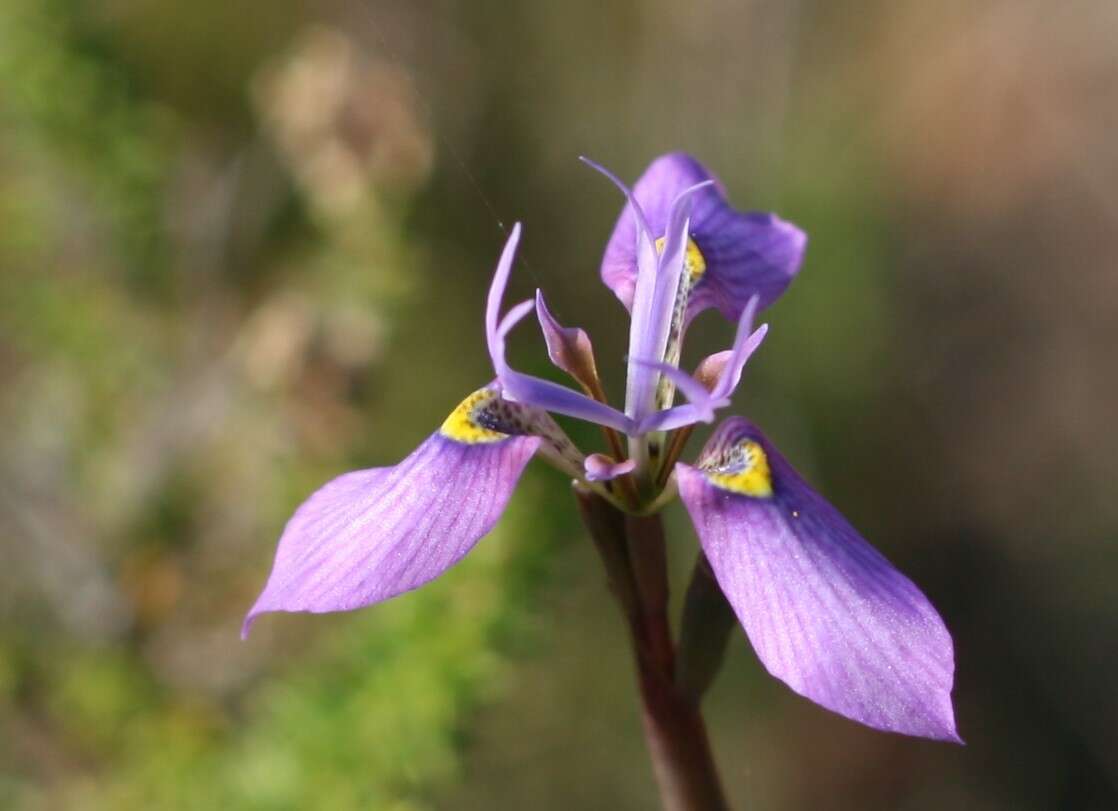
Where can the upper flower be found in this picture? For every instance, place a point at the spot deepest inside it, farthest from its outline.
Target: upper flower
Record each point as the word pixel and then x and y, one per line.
pixel 731 255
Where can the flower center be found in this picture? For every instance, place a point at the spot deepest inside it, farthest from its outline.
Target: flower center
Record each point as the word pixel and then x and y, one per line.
pixel 693 261
pixel 481 417
pixel 743 468
pixel 485 417
pixel 694 266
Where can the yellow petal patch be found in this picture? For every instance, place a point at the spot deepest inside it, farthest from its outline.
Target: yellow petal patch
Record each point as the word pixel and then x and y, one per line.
pixel 693 261
pixel 462 424
pixel 753 479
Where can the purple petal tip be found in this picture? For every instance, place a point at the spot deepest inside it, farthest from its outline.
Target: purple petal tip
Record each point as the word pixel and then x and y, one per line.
pixel 371 535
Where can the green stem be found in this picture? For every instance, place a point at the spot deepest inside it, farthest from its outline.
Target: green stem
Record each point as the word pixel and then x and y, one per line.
pixel 632 549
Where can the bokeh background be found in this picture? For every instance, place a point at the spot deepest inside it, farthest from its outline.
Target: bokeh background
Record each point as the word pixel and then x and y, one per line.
pixel 244 247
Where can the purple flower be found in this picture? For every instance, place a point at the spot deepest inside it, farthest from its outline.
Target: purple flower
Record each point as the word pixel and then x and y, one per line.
pixel 826 613
pixel 731 255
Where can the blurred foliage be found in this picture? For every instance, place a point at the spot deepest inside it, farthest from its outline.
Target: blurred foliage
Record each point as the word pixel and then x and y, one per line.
pixel 70 113
pixel 368 718
pixel 140 443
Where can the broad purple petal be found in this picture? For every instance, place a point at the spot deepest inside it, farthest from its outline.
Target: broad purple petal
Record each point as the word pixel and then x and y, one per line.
pixel 826 613
pixel 746 253
pixel 373 534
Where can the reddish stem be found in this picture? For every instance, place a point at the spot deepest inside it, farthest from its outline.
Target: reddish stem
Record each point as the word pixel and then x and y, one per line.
pixel 632 549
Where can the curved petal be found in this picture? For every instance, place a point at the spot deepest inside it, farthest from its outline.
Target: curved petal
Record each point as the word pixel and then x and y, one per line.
pixel 654 193
pixel 745 253
pixel 524 388
pixel 826 613
pixel 692 389
pixel 373 534
pixel 702 404
pixel 680 416
pixel 568 347
pixel 600 468
pixel 746 342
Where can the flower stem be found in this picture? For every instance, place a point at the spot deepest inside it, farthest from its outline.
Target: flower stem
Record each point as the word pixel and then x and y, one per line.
pixel 708 620
pixel 632 549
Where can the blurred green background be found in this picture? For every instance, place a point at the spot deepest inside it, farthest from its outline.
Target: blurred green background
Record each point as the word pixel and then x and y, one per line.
pixel 244 247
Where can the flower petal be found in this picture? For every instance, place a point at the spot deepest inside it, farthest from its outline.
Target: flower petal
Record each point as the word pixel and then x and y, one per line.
pixel 692 389
pixel 568 347
pixel 373 534
pixel 523 388
pixel 702 404
pixel 746 342
pixel 601 468
pixel 650 324
pixel 652 297
pixel 549 396
pixel 744 253
pixel 826 613
pixel 653 194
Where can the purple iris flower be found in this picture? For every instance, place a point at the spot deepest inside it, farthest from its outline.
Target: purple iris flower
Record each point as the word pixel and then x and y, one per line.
pixel 825 612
